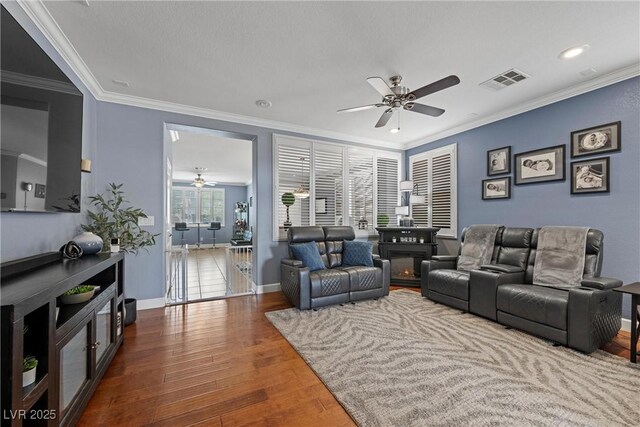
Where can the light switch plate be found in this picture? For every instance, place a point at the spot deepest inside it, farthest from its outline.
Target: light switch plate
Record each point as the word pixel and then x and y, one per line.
pixel 146 222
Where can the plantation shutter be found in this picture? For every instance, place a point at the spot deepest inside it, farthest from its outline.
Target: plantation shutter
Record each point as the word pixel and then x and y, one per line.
pixel 434 173
pixel 360 187
pixel 328 172
pixel 441 192
pixel 387 176
pixel 293 170
pixel 420 177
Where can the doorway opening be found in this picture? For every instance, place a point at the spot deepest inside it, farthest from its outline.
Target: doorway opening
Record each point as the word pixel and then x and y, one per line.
pixel 209 214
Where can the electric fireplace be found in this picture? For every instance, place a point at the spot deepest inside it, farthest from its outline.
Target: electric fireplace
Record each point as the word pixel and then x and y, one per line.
pixel 406 248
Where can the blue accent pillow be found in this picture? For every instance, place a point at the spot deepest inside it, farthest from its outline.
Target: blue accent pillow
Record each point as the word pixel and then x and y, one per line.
pixel 356 252
pixel 309 255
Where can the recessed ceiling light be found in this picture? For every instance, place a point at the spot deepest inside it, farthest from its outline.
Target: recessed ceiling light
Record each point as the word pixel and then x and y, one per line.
pixel 200 169
pixel 121 83
pixel 394 130
pixel 263 103
pixel 572 52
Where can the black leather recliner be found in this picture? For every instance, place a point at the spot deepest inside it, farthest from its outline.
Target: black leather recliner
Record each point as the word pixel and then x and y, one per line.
pixel 582 318
pixel 336 283
pixel 442 282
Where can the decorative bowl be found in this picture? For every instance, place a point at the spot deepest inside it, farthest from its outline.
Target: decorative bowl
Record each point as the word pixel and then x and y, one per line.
pixel 77 298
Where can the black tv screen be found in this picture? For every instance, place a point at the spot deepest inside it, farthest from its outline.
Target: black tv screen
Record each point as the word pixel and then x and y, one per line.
pixel 41 127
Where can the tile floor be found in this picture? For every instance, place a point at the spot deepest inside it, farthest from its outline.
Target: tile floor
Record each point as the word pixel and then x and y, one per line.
pixel 207 273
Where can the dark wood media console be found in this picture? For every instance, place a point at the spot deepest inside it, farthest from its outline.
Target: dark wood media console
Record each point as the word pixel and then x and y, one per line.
pixel 74 346
pixel 406 248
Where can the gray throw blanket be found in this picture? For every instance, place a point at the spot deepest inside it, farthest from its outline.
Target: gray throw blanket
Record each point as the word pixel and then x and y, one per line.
pixel 560 256
pixel 477 248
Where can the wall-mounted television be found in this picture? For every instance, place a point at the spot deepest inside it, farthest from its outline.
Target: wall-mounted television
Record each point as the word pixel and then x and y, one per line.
pixel 41 127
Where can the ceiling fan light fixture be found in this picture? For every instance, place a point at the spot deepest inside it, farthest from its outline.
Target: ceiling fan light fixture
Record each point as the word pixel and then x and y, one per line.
pixel 300 193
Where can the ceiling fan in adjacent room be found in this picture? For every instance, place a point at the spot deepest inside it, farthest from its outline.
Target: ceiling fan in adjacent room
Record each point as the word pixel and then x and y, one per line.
pixel 200 182
pixel 395 97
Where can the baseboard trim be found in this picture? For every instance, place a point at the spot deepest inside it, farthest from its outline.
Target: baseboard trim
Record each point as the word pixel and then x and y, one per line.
pixel 626 324
pixel 146 304
pixel 269 287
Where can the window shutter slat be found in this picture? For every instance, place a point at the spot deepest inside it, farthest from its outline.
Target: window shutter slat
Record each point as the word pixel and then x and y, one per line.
pixel 328 185
pixel 387 176
pixel 433 171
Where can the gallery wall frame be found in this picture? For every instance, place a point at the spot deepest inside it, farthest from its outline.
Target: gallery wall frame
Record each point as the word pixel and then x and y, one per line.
pixel 590 176
pixel 596 140
pixel 496 188
pixel 541 165
pixel 499 161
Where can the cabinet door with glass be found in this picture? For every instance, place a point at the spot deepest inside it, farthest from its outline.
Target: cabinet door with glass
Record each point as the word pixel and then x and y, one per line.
pixel 74 365
pixel 83 354
pixel 105 333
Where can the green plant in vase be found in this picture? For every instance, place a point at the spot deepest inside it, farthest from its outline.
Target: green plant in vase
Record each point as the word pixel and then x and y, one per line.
pixel 28 363
pixel 383 220
pixel 288 199
pixel 111 219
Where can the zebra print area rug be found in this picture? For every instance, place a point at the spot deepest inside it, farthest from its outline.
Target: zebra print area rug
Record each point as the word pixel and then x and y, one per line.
pixel 405 361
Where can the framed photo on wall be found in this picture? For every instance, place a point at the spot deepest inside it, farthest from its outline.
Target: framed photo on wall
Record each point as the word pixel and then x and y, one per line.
pixel 499 161
pixel 542 165
pixel 321 205
pixel 590 176
pixel 496 188
pixel 596 140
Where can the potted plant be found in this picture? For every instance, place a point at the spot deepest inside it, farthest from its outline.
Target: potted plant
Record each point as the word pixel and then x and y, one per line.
pixel 78 294
pixel 383 220
pixel 111 219
pixel 29 365
pixel 288 199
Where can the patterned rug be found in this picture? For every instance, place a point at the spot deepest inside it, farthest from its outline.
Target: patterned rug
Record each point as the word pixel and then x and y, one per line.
pixel 405 361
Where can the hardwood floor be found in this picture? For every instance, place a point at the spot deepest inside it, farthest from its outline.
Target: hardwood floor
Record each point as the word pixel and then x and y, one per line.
pixel 218 363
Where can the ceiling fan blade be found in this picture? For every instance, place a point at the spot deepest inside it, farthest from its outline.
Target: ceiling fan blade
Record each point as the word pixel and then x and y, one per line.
pixel 381 86
pixel 363 107
pixel 424 109
pixel 384 118
pixel 433 87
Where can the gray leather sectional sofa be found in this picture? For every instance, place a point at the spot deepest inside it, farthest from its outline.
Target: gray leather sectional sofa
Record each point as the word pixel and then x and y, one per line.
pixel 336 283
pixel 583 317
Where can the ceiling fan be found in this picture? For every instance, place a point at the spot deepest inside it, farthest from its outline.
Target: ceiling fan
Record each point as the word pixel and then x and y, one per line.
pixel 200 182
pixel 395 97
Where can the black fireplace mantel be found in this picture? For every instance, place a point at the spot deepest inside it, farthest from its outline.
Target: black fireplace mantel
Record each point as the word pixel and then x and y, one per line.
pixel 401 243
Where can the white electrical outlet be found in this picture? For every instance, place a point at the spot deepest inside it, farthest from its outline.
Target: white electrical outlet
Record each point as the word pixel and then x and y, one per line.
pixel 146 222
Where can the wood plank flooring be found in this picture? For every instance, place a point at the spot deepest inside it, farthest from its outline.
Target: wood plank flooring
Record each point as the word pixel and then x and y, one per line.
pixel 218 363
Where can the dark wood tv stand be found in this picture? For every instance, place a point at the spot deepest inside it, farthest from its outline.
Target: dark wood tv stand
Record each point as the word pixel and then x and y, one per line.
pixel 74 347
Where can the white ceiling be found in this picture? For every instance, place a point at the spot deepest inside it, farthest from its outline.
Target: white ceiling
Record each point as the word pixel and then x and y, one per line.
pixel 312 58
pixel 228 161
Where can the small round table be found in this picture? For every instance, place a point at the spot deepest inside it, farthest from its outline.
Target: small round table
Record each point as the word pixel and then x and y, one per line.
pixel 633 289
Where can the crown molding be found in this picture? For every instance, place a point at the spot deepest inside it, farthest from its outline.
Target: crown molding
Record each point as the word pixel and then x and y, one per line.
pixel 39 82
pixel 39 14
pixel 588 86
pixel 172 107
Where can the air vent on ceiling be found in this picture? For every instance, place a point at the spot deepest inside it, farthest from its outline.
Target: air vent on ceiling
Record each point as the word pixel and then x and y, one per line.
pixel 506 79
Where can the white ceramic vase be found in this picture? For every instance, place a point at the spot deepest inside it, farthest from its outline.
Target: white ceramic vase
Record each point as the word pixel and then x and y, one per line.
pixel 89 242
pixel 29 377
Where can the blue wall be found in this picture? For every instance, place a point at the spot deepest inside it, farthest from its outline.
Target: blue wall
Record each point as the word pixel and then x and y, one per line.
pixel 232 194
pixel 129 137
pixel 26 234
pixel 617 213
